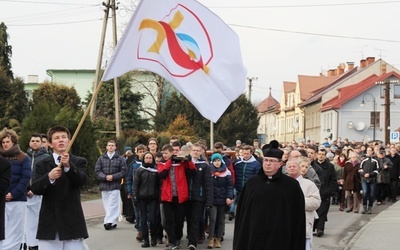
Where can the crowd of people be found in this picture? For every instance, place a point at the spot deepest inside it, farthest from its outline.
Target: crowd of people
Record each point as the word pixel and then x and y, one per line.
pixel 279 194
pixel 40 192
pixel 354 176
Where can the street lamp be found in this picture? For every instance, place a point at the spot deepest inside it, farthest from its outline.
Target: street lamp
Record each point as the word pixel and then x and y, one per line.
pixel 362 104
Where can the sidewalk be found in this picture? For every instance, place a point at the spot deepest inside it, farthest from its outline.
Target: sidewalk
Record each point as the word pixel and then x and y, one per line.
pixel 382 232
pixel 93 210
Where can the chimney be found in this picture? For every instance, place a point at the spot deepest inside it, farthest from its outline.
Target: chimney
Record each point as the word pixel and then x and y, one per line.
pixel 350 66
pixel 332 72
pixel 383 68
pixel 370 60
pixel 363 63
pixel 340 69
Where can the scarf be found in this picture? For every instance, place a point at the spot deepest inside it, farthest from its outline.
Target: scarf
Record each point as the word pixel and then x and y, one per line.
pixel 341 163
pixel 149 167
pixel 11 153
pixel 222 171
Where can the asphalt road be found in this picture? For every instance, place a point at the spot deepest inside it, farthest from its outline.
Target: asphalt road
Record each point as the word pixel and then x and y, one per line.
pixel 339 230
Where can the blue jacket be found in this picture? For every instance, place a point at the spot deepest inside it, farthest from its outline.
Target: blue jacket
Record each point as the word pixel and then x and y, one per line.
pixel 222 183
pixel 244 170
pixel 131 175
pixel 20 176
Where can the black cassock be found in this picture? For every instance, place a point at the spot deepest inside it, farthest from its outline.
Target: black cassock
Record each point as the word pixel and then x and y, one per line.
pixel 270 214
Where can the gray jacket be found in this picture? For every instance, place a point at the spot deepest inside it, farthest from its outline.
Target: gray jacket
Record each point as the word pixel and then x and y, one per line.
pixel 116 166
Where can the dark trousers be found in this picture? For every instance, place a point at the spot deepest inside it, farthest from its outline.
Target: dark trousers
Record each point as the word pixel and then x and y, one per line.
pixel 322 212
pixel 194 213
pixel 174 218
pixel 148 213
pixel 217 221
pixel 127 206
pixel 393 189
pixel 382 191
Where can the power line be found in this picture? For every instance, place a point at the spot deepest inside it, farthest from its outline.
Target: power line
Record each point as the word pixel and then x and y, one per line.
pixel 302 5
pixel 48 24
pixel 53 3
pixel 316 34
pixel 53 14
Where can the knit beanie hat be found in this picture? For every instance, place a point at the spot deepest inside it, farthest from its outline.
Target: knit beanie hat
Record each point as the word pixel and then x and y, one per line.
pixel 216 156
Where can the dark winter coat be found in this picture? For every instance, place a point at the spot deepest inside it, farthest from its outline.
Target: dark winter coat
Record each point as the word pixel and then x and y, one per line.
pixel 327 178
pixel 36 156
pixel 132 168
pixel 61 211
pixel 244 170
pixel 395 170
pixel 383 174
pixel 270 214
pixel 222 184
pixel 20 176
pixel 201 184
pixel 5 179
pixel 352 180
pixel 369 166
pixel 146 185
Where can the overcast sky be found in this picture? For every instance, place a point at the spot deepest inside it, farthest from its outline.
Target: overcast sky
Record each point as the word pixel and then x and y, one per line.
pixel 279 39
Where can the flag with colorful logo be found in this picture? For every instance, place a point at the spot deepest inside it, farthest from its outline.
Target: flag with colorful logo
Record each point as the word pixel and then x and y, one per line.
pixel 188 45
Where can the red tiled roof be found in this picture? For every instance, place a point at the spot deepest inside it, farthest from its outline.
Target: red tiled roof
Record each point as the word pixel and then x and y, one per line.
pixel 347 93
pixel 289 86
pixel 267 103
pixel 309 84
pixel 317 94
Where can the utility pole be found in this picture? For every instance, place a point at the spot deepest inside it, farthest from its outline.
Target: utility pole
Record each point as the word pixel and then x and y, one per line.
pixel 109 5
pixel 251 84
pixel 387 112
pixel 116 84
pixel 386 87
pixel 100 55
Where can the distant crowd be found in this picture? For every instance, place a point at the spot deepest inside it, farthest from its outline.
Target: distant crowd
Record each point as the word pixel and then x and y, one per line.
pixel 278 194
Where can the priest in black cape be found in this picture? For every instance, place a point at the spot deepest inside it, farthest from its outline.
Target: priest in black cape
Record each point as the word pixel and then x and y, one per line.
pixel 271 208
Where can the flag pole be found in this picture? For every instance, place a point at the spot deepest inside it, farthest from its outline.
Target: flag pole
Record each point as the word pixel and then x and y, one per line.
pixel 211 135
pixel 85 114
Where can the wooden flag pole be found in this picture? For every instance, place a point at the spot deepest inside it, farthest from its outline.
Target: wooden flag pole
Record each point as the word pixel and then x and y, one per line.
pixel 85 114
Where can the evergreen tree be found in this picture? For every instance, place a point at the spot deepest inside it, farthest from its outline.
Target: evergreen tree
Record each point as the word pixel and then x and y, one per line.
pixel 17 104
pixel 130 106
pixel 240 120
pixel 59 94
pixel 5 51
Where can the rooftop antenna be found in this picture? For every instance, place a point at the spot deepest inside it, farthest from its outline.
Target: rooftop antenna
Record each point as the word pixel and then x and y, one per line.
pixel 362 51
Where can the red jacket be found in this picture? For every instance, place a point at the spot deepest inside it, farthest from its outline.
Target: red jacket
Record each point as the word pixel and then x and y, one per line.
pixel 180 168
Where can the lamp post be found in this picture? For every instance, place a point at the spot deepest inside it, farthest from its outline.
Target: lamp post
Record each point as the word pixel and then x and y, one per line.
pixel 374 109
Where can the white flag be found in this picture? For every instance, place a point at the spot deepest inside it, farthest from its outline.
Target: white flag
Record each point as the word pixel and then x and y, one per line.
pixel 188 45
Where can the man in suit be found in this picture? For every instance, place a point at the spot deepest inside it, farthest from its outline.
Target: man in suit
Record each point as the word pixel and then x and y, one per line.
pixel 58 178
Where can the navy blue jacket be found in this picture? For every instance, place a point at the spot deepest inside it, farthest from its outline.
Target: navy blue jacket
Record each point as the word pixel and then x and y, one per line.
pixel 200 184
pixel 244 170
pixel 222 183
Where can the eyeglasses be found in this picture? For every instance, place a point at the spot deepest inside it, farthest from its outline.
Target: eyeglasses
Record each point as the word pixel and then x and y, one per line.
pixel 266 160
pixel 152 143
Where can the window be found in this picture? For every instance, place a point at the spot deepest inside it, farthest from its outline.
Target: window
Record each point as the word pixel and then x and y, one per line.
pixel 396 91
pixel 377 119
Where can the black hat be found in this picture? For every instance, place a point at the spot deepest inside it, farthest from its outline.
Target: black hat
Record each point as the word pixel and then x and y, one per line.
pixel 272 150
